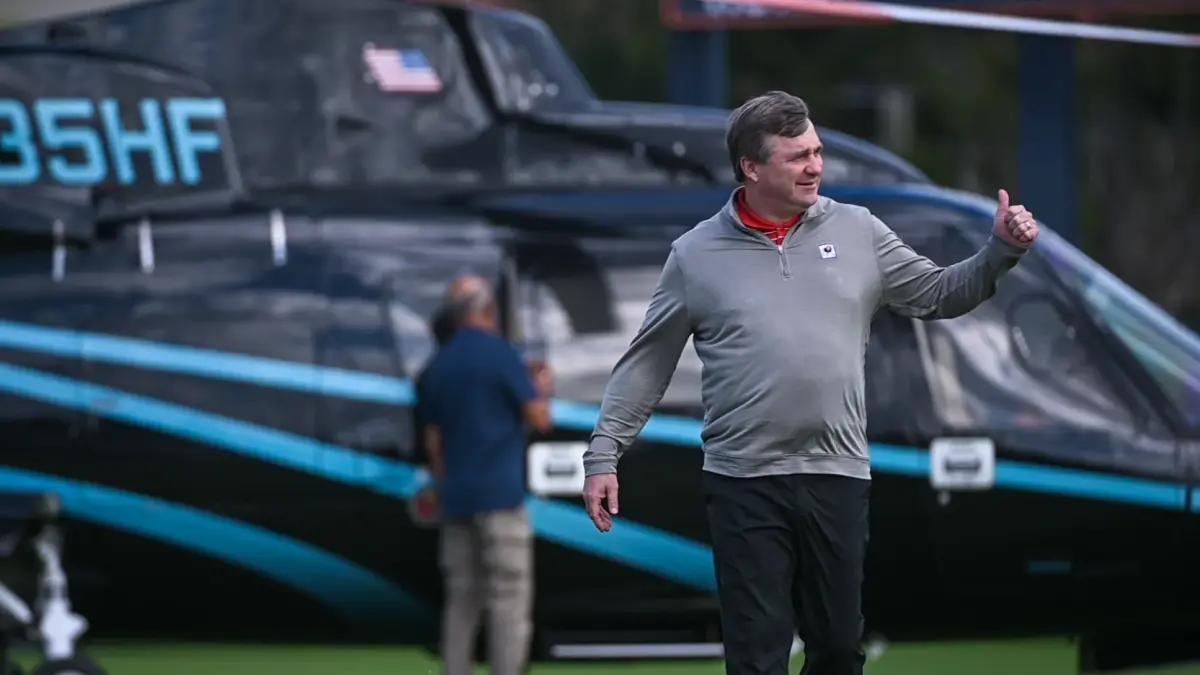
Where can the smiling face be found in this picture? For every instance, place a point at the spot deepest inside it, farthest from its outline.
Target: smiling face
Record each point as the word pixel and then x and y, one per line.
pixel 790 175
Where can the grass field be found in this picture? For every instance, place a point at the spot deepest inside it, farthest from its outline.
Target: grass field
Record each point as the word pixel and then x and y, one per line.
pixel 1028 657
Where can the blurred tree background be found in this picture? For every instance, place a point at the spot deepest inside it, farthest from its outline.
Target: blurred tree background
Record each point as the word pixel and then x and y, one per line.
pixel 1138 107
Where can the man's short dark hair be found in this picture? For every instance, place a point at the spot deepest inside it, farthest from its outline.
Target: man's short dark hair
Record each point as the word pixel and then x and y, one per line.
pixel 775 113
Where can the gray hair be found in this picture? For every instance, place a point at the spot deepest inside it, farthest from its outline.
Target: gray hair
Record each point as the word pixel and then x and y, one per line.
pixel 468 302
pixel 775 113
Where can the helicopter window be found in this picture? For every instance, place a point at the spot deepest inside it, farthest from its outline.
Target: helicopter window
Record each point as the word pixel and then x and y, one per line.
pixel 384 283
pixel 528 68
pixel 899 403
pixel 583 302
pixel 1024 368
pixel 846 169
pixel 1169 352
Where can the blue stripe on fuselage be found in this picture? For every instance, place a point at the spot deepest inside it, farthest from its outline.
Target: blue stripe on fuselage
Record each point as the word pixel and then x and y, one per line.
pixel 356 593
pixel 263 443
pixel 638 546
pixel 280 374
pixel 685 561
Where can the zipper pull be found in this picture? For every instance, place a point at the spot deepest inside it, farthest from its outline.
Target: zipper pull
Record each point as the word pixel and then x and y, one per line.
pixel 785 269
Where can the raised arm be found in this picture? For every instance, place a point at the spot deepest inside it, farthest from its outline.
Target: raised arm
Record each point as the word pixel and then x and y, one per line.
pixel 914 285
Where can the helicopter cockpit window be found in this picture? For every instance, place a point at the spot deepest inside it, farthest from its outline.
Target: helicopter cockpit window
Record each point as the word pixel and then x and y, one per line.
pixel 584 301
pixel 384 283
pixel 1026 368
pixel 845 169
pixel 528 68
pixel 1168 351
pixel 851 161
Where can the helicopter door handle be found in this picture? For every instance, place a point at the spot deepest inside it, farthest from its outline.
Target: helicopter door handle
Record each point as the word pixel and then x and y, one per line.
pixel 962 463
pixel 556 468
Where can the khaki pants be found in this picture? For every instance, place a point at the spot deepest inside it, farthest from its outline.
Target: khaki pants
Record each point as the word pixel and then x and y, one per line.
pixel 487 562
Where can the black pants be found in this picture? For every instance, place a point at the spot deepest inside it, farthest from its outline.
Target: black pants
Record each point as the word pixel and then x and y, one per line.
pixel 789 553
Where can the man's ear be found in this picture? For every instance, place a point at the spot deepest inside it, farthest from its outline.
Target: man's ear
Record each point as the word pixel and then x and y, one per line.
pixel 749 169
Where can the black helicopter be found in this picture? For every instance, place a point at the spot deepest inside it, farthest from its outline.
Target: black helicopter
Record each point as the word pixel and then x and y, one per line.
pixel 225 227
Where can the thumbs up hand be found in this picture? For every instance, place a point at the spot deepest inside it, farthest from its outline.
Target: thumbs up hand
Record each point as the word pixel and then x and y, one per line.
pixel 1014 224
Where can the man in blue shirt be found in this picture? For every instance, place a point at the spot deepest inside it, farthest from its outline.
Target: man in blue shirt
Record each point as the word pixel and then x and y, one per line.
pixel 476 396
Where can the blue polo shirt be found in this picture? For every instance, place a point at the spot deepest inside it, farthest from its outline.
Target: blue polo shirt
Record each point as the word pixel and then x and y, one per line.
pixel 473 390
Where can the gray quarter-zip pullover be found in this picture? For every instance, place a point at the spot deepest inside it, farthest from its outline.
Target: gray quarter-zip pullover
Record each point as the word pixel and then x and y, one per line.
pixel 782 335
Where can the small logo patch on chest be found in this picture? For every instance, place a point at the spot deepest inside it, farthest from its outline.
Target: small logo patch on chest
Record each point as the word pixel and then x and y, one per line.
pixel 827 251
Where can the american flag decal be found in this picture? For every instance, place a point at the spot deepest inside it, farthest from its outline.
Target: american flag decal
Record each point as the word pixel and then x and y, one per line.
pixel 401 70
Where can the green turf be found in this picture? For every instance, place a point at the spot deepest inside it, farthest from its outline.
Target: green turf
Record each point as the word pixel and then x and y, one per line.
pixel 1028 657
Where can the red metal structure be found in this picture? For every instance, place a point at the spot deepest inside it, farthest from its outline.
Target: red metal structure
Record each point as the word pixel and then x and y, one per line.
pixel 738 14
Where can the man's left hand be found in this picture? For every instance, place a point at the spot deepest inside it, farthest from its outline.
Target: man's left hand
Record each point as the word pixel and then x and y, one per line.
pixel 1014 224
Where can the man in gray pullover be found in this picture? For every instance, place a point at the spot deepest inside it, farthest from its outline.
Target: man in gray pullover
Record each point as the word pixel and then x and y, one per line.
pixel 777 291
